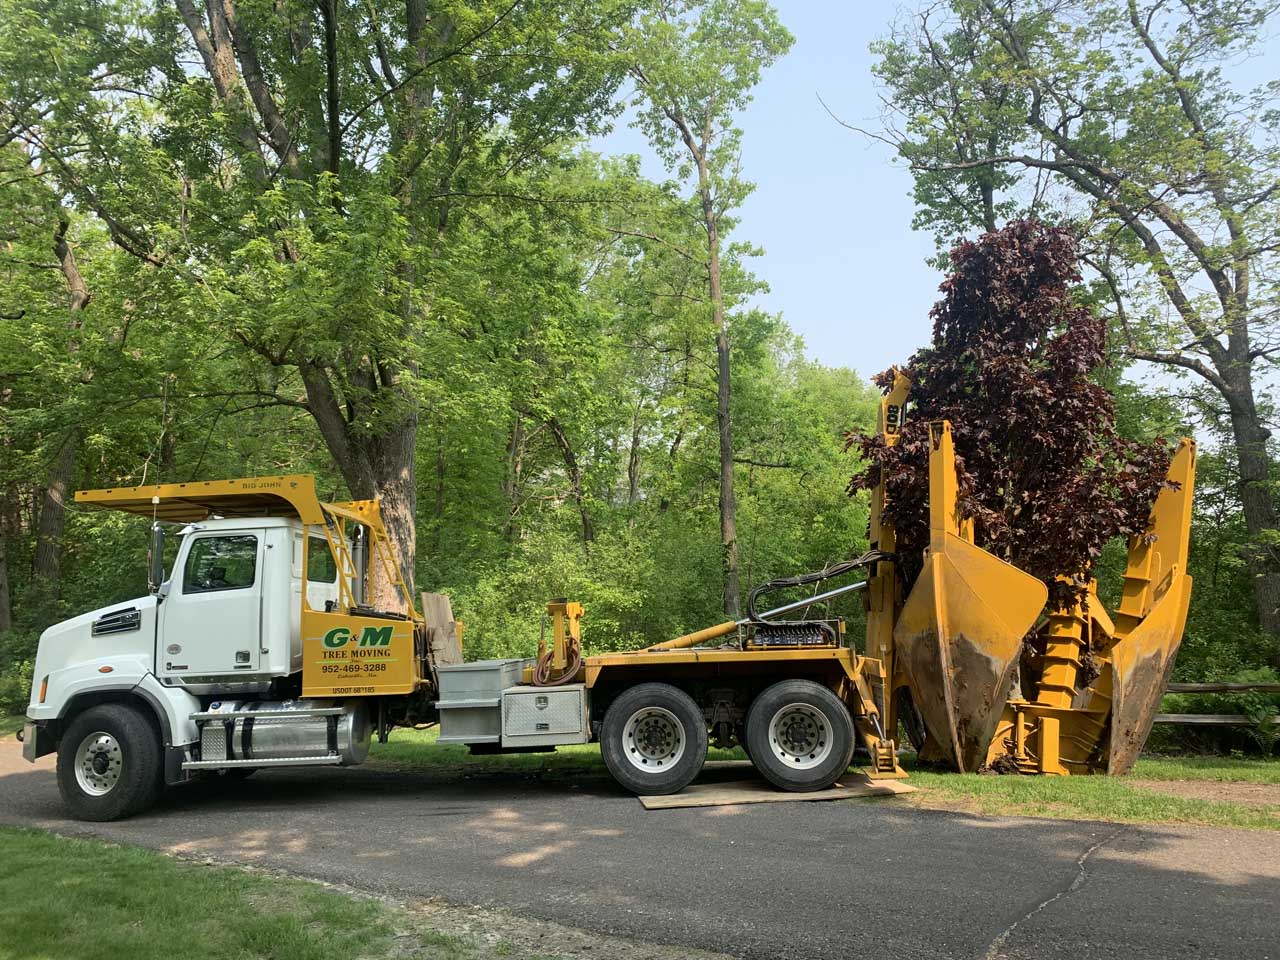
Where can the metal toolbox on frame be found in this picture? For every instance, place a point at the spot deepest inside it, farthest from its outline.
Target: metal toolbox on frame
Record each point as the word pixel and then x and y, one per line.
pixel 470 701
pixel 545 716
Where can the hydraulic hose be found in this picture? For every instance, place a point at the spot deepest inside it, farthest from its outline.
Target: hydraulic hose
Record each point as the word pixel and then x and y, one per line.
pixel 827 573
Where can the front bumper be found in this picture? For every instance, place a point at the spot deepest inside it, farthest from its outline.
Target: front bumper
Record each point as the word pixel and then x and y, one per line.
pixel 37 741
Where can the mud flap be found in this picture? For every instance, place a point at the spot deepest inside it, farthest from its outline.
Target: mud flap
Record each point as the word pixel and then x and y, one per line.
pixel 958 639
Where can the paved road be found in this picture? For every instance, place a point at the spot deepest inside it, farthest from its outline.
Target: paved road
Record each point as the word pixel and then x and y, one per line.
pixel 796 880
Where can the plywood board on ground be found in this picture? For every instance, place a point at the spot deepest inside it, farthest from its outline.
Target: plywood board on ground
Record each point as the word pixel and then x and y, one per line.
pixel 760 791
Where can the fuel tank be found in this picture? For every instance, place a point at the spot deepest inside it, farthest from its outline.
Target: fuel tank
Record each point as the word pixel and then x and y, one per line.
pixel 281 729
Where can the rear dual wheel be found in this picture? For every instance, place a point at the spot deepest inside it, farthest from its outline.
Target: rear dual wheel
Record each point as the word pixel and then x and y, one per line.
pixel 654 739
pixel 800 736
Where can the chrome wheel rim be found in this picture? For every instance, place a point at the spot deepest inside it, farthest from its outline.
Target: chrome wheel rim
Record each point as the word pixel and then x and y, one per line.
pixel 800 736
pixel 653 739
pixel 99 762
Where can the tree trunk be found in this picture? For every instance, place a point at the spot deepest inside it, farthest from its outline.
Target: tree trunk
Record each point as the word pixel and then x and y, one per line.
pixel 574 471
pixel 724 423
pixel 511 482
pixel 6 608
pixel 47 563
pixel 9 526
pixel 439 505
pixel 395 485
pixel 633 460
pixel 1259 507
pixel 379 465
pixel 385 472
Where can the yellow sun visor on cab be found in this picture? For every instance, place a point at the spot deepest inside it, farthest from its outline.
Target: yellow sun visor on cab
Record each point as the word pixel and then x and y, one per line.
pixel 283 496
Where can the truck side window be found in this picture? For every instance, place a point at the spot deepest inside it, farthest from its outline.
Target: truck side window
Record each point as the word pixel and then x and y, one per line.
pixel 320 565
pixel 220 563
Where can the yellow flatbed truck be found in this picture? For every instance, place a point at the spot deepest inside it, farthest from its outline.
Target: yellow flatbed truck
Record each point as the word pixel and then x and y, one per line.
pixel 257 650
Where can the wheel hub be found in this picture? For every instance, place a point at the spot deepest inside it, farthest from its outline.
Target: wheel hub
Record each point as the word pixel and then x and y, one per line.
pixel 99 762
pixel 653 739
pixel 801 736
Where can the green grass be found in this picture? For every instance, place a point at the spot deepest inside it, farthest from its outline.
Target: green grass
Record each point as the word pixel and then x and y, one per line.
pixel 11 725
pixel 1226 769
pixel 1105 798
pixel 68 898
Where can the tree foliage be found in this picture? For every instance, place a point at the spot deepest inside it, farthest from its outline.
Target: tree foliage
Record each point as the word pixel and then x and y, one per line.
pixel 1042 470
pixel 1130 120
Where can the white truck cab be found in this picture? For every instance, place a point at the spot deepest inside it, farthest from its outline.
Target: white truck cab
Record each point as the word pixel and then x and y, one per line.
pixel 158 689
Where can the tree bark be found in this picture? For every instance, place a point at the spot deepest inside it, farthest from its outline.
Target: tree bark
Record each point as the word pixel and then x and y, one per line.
pixel 511 481
pixel 441 466
pixel 724 419
pixel 633 459
pixel 574 471
pixel 395 486
pixel 6 608
pixel 46 566
pixel 47 563
pixel 1261 521
pixel 377 464
pixel 9 524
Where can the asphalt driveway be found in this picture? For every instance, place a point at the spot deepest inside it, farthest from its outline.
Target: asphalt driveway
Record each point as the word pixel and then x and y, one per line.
pixel 854 879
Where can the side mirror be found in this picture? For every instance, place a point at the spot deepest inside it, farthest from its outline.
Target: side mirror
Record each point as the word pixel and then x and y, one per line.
pixel 155 572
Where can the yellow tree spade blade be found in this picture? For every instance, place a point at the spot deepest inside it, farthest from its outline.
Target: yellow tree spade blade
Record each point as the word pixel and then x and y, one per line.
pixel 1152 613
pixel 961 628
pixel 1141 665
pixel 958 640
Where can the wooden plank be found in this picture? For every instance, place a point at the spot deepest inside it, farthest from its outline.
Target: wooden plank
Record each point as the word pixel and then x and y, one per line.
pixel 443 634
pixel 1207 719
pixel 437 608
pixel 851 787
pixel 1222 687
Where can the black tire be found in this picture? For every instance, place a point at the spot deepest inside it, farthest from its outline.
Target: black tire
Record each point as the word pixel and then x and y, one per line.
pixel 124 763
pixel 813 745
pixel 674 744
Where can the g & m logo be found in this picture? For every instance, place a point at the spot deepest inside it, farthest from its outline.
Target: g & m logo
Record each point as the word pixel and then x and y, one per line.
pixel 369 637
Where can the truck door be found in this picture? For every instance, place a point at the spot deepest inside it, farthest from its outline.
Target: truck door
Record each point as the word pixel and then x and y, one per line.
pixel 211 620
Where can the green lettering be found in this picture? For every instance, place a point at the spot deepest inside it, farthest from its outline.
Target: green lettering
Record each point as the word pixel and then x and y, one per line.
pixel 337 637
pixel 376 637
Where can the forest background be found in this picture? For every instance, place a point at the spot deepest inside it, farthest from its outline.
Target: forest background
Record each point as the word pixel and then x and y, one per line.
pixel 380 242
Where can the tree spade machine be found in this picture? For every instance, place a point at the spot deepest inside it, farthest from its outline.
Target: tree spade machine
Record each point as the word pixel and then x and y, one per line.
pixel 258 649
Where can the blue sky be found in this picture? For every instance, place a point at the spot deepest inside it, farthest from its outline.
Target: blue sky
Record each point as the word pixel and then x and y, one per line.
pixel 831 209
pixel 843 265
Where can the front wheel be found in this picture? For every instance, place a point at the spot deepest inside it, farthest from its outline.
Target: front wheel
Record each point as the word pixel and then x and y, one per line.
pixel 109 763
pixel 654 739
pixel 801 735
